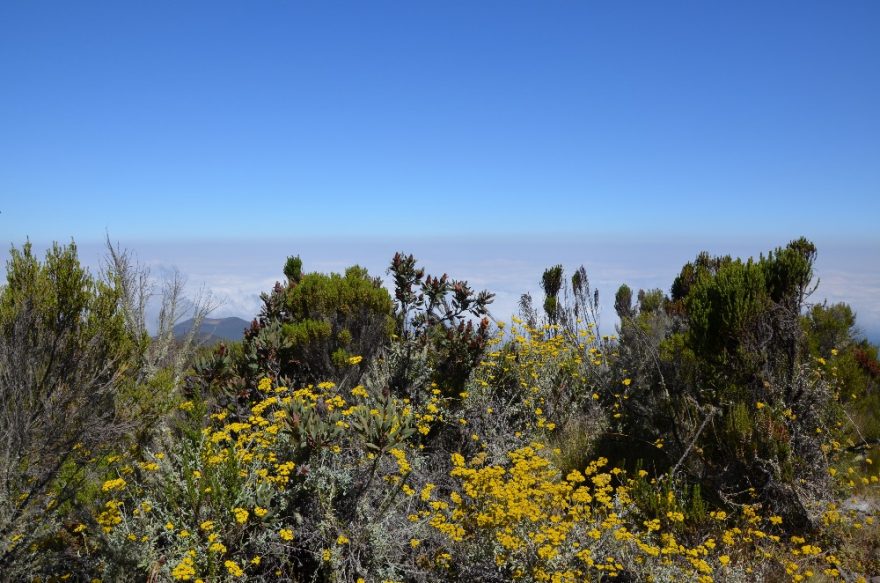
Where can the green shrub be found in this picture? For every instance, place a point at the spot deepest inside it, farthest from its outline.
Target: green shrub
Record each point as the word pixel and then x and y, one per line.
pixel 315 327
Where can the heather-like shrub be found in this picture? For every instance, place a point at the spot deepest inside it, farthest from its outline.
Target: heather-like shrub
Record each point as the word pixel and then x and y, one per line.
pixel 313 482
pixel 80 378
pixel 724 381
pixel 307 331
pixel 439 313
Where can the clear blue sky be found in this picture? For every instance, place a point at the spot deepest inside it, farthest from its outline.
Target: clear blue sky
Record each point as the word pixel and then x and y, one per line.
pixel 158 120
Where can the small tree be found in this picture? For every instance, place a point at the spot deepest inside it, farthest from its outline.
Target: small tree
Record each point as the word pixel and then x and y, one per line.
pixel 314 327
pixel 80 377
pixel 64 349
pixel 551 283
pixel 438 313
pixel 724 380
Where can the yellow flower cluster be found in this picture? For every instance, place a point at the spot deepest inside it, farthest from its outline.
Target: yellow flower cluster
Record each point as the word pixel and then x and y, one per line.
pixel 184 570
pixel 233 569
pixel 510 499
pixel 117 484
pixel 544 527
pixel 110 516
pixel 402 464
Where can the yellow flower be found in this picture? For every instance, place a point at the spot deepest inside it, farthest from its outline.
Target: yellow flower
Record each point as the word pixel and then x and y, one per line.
pixel 342 540
pixel 286 534
pixel 116 484
pixel 261 512
pixel 355 360
pixel 233 569
pixel 217 547
pixel 185 570
pixel 241 515
pixel 400 456
pixel 724 559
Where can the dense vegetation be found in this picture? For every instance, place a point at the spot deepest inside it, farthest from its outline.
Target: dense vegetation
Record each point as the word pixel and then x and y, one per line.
pixel 358 434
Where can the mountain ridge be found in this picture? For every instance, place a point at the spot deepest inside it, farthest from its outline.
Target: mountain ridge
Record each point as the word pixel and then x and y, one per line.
pixel 213 330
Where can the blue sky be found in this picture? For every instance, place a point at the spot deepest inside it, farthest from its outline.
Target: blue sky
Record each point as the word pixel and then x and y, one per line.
pixel 241 119
pixel 646 124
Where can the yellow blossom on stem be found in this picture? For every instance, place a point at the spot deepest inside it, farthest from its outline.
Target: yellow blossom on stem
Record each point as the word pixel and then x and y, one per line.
pixel 233 569
pixel 116 484
pixel 241 515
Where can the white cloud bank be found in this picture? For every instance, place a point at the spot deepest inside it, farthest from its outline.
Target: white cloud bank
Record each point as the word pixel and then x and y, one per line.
pixel 236 272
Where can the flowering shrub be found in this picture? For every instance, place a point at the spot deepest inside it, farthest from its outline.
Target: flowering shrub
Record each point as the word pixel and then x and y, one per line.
pixel 395 470
pixel 285 491
pixel 360 485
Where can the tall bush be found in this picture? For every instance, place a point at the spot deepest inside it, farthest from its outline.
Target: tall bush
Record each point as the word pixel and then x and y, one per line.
pixel 727 383
pixel 314 327
pixel 64 350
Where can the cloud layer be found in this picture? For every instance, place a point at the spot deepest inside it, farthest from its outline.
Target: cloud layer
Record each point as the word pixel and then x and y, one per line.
pixel 237 272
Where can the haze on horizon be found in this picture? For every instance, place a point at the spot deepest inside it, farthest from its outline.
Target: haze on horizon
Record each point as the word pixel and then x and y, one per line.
pixel 237 272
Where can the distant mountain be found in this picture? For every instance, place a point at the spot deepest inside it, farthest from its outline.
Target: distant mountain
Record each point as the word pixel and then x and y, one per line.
pixel 214 330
